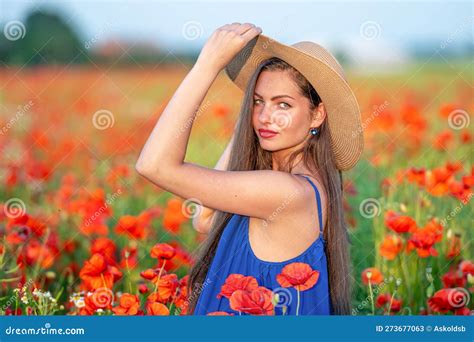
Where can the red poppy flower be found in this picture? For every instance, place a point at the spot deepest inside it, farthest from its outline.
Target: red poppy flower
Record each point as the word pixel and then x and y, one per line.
pixel 35 226
pixel 391 246
pixel 142 288
pixel 166 287
pixel 399 223
pixel 131 226
pixel 129 305
pixel 236 282
pixel 446 300
pixel 375 276
pixel 98 299
pixel 157 309
pixel 415 175
pixel 98 273
pixel 466 267
pixel 181 298
pixel 423 239
pixel 298 275
pixel 174 215
pixel 36 251
pixel 383 300
pixel 162 251
pixel 106 247
pixel 255 302
pixel 150 274
pixel 438 181
pixel 454 278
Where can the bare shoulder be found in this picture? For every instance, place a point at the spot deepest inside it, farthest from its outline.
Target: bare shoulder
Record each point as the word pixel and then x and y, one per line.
pixel 310 195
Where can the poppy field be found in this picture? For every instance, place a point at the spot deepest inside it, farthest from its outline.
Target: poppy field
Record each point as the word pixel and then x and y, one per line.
pixel 83 234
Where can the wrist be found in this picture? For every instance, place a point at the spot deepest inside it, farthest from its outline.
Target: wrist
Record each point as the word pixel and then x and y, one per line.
pixel 206 68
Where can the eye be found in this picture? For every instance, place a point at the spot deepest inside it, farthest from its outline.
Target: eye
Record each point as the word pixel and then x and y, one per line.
pixel 284 105
pixel 257 101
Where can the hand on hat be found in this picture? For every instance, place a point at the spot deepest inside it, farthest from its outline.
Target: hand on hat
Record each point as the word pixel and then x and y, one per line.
pixel 225 43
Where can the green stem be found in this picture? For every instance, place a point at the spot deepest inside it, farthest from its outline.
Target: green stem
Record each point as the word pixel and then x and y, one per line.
pixel 159 275
pixel 371 294
pixel 404 277
pixel 391 301
pixel 128 276
pixel 298 302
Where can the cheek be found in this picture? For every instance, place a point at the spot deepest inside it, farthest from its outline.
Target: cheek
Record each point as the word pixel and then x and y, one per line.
pixel 255 122
pixel 297 123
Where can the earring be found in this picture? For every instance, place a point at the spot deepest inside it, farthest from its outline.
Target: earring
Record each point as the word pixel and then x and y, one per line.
pixel 314 131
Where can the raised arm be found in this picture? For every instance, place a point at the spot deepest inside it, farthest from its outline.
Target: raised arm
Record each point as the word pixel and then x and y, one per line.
pixel 249 193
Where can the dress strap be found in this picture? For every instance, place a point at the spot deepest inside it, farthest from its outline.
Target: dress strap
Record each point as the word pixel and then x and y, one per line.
pixel 318 200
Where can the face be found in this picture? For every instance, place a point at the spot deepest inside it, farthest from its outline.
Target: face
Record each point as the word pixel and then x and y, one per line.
pixel 281 115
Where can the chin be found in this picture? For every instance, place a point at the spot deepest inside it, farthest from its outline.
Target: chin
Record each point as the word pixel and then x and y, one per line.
pixel 270 147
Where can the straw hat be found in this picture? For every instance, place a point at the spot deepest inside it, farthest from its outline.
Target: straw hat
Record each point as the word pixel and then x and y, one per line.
pixel 325 74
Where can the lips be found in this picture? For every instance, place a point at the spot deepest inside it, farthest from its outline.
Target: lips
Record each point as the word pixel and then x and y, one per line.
pixel 266 133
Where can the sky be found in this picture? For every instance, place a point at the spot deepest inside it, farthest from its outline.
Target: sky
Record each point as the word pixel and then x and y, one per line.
pixel 368 29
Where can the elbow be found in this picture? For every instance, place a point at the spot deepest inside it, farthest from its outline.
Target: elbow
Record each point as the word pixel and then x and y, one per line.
pixel 154 175
pixel 201 224
pixel 201 228
pixel 158 175
pixel 141 169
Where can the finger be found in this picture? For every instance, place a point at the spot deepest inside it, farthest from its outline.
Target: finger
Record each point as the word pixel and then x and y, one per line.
pixel 253 32
pixel 224 27
pixel 230 27
pixel 244 28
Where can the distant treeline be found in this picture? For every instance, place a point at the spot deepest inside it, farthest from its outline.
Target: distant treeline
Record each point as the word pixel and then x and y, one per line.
pixel 45 38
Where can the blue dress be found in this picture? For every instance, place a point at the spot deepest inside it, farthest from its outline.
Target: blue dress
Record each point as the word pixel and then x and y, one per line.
pixel 234 255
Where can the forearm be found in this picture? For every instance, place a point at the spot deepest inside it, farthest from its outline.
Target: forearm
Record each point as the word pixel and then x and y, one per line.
pixel 167 143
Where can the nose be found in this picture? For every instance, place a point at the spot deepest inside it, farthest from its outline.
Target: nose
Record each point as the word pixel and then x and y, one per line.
pixel 265 115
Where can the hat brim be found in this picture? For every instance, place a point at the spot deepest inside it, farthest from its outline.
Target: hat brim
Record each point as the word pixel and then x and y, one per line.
pixel 344 118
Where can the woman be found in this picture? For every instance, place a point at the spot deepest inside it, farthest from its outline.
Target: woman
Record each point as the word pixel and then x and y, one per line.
pixel 277 183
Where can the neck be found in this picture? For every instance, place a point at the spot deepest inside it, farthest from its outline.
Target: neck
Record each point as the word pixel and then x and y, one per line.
pixel 280 158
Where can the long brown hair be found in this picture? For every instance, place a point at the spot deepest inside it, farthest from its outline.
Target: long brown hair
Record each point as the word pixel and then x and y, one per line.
pixel 246 154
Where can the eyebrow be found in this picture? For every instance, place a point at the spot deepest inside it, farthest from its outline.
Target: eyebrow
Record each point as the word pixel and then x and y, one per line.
pixel 276 97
